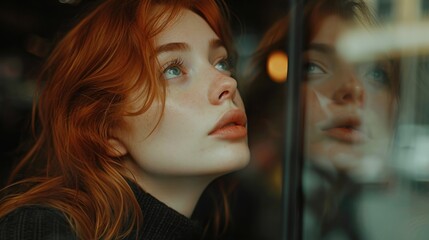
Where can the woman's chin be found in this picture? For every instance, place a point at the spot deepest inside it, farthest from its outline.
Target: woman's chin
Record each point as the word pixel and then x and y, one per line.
pixel 231 162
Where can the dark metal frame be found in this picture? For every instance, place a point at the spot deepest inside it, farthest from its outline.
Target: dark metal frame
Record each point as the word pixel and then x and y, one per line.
pixel 292 167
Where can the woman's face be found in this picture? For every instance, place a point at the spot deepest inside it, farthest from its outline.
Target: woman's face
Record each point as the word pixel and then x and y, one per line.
pixel 349 107
pixel 203 127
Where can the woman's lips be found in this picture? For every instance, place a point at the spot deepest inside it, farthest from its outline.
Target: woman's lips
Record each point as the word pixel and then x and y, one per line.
pixel 346 134
pixel 346 129
pixel 232 125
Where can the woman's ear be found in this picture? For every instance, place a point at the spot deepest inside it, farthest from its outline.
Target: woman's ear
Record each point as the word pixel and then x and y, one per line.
pixel 117 148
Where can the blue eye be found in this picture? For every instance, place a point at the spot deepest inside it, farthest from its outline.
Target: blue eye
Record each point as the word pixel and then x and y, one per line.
pixel 312 68
pixel 223 65
pixel 378 75
pixel 172 72
pixel 174 69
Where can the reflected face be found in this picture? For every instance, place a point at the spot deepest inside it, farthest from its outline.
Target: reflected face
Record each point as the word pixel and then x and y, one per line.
pixel 349 107
pixel 203 127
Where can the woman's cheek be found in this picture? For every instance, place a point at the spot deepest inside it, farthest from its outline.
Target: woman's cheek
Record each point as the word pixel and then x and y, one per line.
pixel 383 105
pixel 315 107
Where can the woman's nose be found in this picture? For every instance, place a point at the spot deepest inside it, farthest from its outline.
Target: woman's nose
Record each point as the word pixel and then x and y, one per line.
pixel 350 92
pixel 222 88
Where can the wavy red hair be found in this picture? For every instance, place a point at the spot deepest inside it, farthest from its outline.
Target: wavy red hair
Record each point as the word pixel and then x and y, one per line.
pixel 88 82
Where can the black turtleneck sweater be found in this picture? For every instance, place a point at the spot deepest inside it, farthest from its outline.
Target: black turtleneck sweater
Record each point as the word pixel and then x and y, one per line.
pixel 160 222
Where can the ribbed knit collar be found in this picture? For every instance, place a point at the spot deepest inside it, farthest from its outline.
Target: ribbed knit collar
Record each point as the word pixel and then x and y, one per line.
pixel 161 222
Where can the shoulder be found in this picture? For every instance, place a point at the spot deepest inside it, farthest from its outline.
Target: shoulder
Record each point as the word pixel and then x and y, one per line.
pixel 35 222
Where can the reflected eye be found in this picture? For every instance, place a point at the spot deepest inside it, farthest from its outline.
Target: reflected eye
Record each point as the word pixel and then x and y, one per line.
pixel 377 74
pixel 173 69
pixel 223 65
pixel 312 68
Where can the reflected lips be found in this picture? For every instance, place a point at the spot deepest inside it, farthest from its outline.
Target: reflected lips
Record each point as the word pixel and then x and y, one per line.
pixel 346 130
pixel 232 125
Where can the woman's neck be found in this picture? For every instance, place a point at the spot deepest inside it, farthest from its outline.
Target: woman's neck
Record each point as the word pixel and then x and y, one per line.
pixel 181 193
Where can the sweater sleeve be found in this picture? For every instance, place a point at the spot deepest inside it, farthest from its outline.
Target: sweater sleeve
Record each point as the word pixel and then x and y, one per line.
pixel 35 222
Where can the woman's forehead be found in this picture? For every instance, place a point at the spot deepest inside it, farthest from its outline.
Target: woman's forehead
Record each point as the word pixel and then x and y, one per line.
pixel 329 30
pixel 186 25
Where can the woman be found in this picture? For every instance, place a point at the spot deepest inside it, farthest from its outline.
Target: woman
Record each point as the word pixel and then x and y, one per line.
pixel 350 107
pixel 332 85
pixel 139 113
pixel 350 112
pixel 348 117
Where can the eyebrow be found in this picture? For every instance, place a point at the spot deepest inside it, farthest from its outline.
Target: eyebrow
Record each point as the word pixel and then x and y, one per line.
pixel 321 47
pixel 183 47
pixel 216 43
pixel 174 46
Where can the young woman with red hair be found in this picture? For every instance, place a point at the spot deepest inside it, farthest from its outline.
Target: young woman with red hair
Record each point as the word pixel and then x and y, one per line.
pixel 137 115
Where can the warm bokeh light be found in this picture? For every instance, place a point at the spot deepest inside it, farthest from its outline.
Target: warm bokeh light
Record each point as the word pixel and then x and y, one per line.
pixel 277 66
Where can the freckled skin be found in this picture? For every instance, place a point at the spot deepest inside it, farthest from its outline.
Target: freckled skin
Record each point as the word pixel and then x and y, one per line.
pixel 179 159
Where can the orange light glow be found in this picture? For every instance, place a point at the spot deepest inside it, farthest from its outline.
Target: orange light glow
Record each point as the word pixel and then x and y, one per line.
pixel 277 66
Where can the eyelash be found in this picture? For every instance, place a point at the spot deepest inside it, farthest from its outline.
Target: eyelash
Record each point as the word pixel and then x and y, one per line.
pixel 177 62
pixel 228 62
pixel 313 64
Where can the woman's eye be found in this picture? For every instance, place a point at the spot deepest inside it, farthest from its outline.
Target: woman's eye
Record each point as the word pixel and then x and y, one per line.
pixel 312 68
pixel 223 65
pixel 378 75
pixel 172 72
pixel 173 69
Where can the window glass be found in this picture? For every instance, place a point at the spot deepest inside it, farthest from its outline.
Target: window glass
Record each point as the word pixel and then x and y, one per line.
pixel 364 136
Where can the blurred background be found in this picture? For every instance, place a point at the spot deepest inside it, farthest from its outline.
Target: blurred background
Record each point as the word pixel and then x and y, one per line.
pixel 383 199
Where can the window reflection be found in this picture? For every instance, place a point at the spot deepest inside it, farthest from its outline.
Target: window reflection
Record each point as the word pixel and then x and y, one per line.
pixel 365 163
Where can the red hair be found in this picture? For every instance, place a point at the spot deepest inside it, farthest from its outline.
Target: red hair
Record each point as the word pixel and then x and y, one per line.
pixel 89 79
